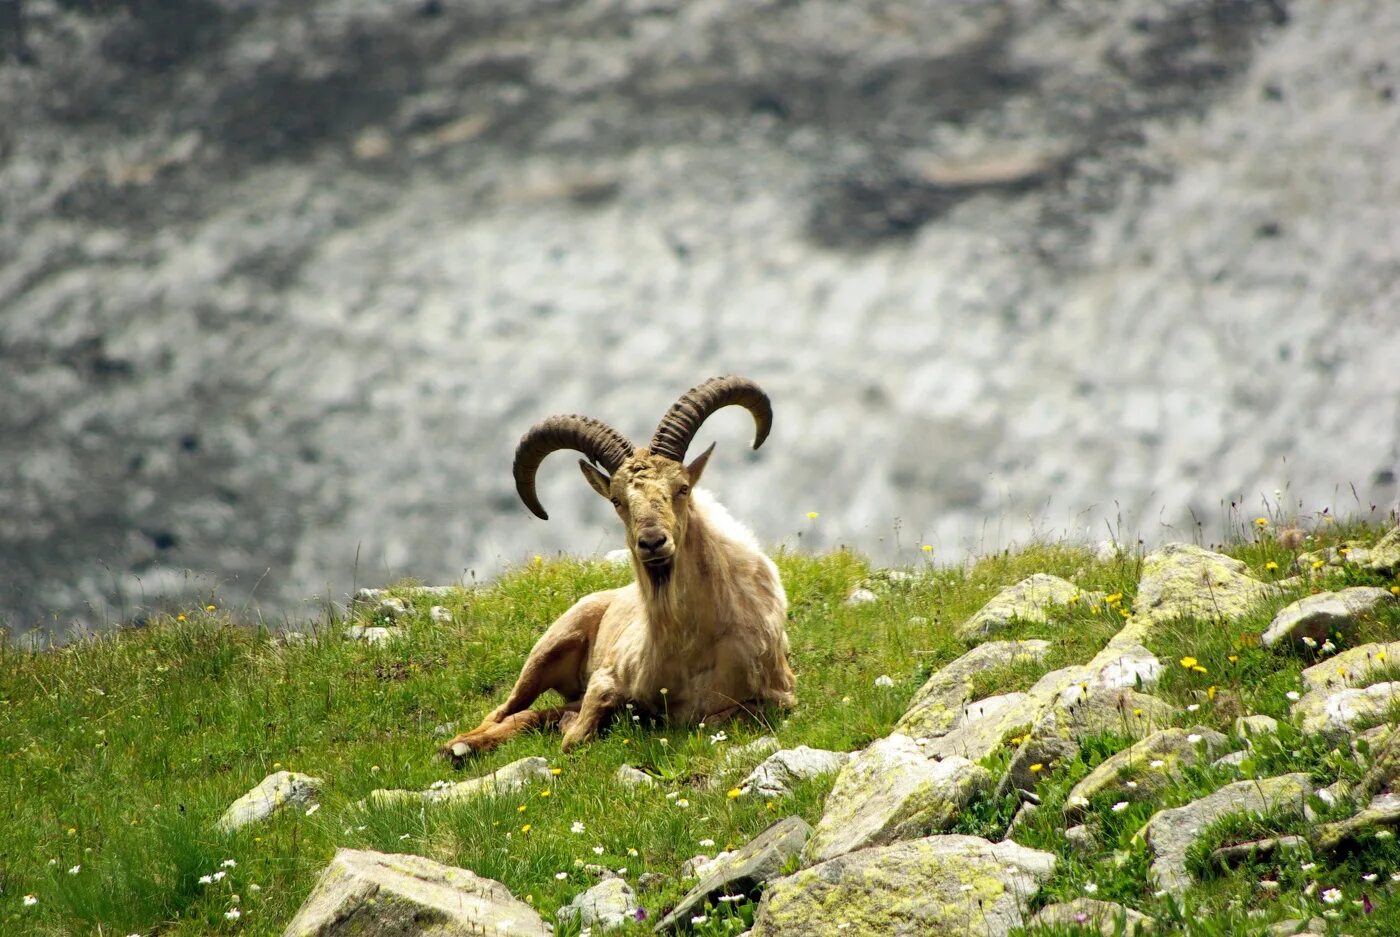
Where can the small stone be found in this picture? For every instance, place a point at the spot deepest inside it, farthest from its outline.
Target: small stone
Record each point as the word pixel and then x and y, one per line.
pixel 892 791
pixel 776 774
pixel 1089 914
pixel 743 871
pixel 629 776
pixel 1029 600
pixel 1248 727
pixel 271 794
pixel 649 880
pixel 1171 747
pixel 363 892
pixel 1081 838
pixel 1317 617
pixel 440 614
pixel 508 779
pixel 393 608
pixel 609 904
pixel 1232 760
pixel 1383 812
pixel 372 634
pixel 861 597
pixel 1228 857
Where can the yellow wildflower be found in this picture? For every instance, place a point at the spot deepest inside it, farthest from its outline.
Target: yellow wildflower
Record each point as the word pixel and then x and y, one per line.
pixel 733 793
pixel 1271 566
pixel 1210 692
pixel 554 771
pixel 1318 564
pixel 209 608
pixel 180 617
pixel 812 515
pixel 1343 550
pixel 1395 590
pixel 520 809
pixel 1094 609
pixel 1380 656
pixel 1115 598
pixel 1188 662
pixel 1037 768
pixel 545 793
pixel 1233 658
pixel 927 548
pixel 525 828
pixel 1261 522
pixel 1125 613
pixel 1199 669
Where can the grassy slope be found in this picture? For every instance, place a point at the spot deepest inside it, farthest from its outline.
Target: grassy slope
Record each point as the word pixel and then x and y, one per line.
pixel 117 755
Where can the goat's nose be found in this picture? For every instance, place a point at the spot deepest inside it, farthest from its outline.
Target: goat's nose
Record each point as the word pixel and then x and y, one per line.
pixel 651 542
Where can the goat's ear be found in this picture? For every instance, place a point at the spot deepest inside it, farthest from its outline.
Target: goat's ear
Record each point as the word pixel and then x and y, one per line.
pixel 697 468
pixel 596 479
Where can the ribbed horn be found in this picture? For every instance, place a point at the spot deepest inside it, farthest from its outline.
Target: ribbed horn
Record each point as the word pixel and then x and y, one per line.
pixel 594 438
pixel 680 424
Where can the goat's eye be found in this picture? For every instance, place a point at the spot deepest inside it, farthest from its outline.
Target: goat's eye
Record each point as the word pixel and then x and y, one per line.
pixel 682 491
pixel 617 504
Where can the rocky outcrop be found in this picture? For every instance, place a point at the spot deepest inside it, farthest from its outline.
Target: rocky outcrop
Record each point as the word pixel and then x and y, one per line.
pixel 938 703
pixel 1352 667
pixel 1336 713
pixel 1092 915
pixel 1318 617
pixel 1029 600
pixel 776 774
pixel 893 791
pixel 607 905
pixel 372 894
pixel 1181 580
pixel 937 885
pixel 278 790
pixel 744 871
pixel 1382 813
pixel 1142 770
pixel 1171 832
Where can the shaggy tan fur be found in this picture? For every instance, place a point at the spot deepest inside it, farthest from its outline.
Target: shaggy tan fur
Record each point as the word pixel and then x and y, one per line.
pixel 697 637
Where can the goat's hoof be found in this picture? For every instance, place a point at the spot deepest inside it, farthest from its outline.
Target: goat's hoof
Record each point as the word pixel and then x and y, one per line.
pixel 460 749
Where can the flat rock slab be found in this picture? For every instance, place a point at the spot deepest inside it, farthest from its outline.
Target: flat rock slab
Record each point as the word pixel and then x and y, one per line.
pixel 1182 580
pixel 1106 917
pixel 776 774
pixel 893 791
pixel 1031 600
pixel 1336 714
pixel 1383 812
pixel 1150 764
pixel 508 779
pixel 611 903
pixel 1227 857
pixel 1384 555
pixel 743 871
pixel 374 894
pixel 936 706
pixel 1171 832
pixel 629 776
pixel 1317 617
pixel 272 794
pixel 1352 667
pixel 937 885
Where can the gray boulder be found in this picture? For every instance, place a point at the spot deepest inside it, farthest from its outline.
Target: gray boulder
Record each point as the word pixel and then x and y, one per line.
pixel 373 894
pixel 271 794
pixel 1337 713
pixel 743 871
pixel 1106 917
pixel 1181 580
pixel 892 791
pixel 1145 768
pixel 1383 812
pixel 1352 667
pixel 937 885
pixel 1030 600
pixel 776 774
pixel 936 705
pixel 510 778
pixel 1316 617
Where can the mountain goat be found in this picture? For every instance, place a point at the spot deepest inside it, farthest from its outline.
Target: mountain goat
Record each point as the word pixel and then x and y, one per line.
pixel 699 634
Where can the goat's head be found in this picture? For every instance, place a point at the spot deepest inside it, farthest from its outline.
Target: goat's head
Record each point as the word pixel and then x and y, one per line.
pixel 649 487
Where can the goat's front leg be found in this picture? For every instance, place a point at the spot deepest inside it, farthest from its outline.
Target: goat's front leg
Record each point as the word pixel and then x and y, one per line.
pixel 599 701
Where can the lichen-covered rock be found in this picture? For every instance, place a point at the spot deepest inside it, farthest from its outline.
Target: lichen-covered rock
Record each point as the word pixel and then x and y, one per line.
pixel 1181 580
pixel 744 871
pixel 1335 714
pixel 935 707
pixel 271 794
pixel 1031 599
pixel 1352 667
pixel 440 614
pixel 1384 767
pixel 1150 765
pixel 937 885
pixel 776 774
pixel 1103 916
pixel 372 894
pixel 1383 812
pixel 1078 713
pixel 1228 857
pixel 1169 833
pixel 861 597
pixel 512 777
pixel 1081 838
pixel 1316 617
pixel 372 634
pixel 611 903
pixel 892 791
pixel 982 727
pixel 1384 556
pixel 628 776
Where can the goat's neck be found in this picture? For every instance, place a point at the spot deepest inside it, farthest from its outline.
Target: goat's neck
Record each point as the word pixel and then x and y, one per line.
pixel 696 602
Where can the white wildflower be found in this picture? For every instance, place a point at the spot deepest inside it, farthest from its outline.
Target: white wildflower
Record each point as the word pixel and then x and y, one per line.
pixel 228 864
pixel 884 680
pixel 577 827
pixel 1193 707
pixel 1310 642
pixel 707 842
pixel 219 876
pixel 312 809
pixel 1193 738
pixel 75 870
pixel 1332 896
pixel 1369 877
pixel 699 919
pixel 1120 806
pixel 255 888
pixel 1157 763
pixel 561 875
pixel 233 914
pixel 1328 647
pixel 682 802
pixel 718 737
pixel 206 880
pixel 1292 695
pixel 30 901
pixel 1090 888
pixel 598 850
pixel 726 899
pixel 1308 866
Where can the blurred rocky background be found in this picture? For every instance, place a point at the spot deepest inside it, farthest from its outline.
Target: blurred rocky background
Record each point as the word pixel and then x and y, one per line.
pixel 282 282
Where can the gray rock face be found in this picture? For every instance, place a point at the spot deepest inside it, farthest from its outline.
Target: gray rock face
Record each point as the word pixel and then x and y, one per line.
pixel 1150 765
pixel 776 774
pixel 1383 812
pixel 1185 580
pixel 629 776
pixel 1384 555
pixel 939 702
pixel 373 894
pixel 1318 616
pixel 272 794
pixel 742 871
pixel 1352 667
pixel 892 791
pixel 511 777
pixel 1336 713
pixel 937 885
pixel 1171 832
pixel 237 338
pixel 606 905
pixel 1031 599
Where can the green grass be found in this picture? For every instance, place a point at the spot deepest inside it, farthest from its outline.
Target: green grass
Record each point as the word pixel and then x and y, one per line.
pixel 119 753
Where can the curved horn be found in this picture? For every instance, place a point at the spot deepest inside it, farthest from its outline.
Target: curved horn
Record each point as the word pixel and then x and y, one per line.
pixel 595 439
pixel 680 424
